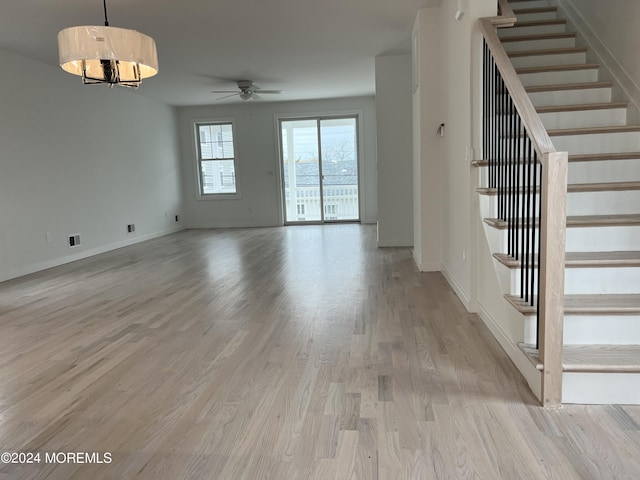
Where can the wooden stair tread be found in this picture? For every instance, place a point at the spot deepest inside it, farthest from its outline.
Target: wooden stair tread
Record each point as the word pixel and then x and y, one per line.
pixel 609 304
pixel 582 157
pixel 581 107
pixel 524 11
pixel 582 221
pixel 592 358
pixel 596 157
pixel 567 86
pixel 602 187
pixel 578 188
pixel 603 259
pixel 594 130
pixel 601 358
pixel 533 354
pixel 557 68
pixel 538 36
pixel 539 23
pixel 603 220
pixel 546 51
pixel 583 259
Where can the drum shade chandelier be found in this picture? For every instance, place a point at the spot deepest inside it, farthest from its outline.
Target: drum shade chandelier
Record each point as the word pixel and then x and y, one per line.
pixel 115 56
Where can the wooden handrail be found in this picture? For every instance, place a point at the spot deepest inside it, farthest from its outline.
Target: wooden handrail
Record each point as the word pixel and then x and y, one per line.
pixel 506 18
pixel 553 207
pixel 527 111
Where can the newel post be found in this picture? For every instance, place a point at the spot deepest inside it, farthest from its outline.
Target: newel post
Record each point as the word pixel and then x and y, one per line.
pixel 552 263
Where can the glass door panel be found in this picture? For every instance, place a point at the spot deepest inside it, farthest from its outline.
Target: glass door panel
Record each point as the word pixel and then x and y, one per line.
pixel 301 171
pixel 339 154
pixel 320 170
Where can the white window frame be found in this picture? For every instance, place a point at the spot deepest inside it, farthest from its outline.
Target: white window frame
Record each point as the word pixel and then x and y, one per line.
pixel 198 160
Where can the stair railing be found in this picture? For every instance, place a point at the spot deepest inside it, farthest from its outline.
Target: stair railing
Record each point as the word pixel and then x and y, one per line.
pixel 530 177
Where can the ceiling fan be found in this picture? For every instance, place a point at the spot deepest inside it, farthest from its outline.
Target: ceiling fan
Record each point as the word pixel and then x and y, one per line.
pixel 248 91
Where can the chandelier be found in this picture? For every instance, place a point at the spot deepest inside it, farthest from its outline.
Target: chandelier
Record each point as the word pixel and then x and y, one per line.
pixel 110 55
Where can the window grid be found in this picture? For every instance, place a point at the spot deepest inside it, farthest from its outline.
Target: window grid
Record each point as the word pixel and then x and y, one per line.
pixel 216 159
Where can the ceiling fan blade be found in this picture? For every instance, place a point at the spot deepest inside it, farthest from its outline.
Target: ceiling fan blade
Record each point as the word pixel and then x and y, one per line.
pixel 223 91
pixel 269 91
pixel 228 96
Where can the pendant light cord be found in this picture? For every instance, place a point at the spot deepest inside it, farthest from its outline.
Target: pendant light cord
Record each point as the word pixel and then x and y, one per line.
pixel 106 22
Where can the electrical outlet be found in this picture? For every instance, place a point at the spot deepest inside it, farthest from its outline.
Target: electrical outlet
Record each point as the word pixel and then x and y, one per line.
pixel 131 228
pixel 177 218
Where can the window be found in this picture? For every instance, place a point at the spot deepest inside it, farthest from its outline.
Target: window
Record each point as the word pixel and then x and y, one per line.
pixel 330 209
pixel 216 159
pixel 301 209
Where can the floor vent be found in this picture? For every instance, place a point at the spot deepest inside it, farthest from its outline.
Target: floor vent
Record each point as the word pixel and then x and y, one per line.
pixel 74 240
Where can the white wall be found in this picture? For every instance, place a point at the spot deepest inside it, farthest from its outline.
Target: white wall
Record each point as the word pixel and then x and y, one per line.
pixel 395 150
pixel 612 33
pixel 461 40
pixel 474 277
pixel 427 146
pixel 257 160
pixel 79 159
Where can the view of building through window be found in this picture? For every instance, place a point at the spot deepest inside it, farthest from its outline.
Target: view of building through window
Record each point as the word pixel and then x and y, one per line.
pixel 216 158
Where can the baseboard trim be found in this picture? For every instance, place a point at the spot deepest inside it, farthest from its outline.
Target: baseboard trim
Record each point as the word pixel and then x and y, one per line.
pixel 520 360
pixel 205 226
pixel 462 295
pixel 428 267
pixel 395 242
pixel 56 262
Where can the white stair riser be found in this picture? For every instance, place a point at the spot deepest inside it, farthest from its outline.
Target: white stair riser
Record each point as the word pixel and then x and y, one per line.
pixel 563 76
pixel 584 172
pixel 584 118
pixel 601 388
pixel 600 281
pixel 530 4
pixel 598 143
pixel 585 203
pixel 524 45
pixel 530 329
pixel 584 281
pixel 528 17
pixel 533 30
pixel 570 97
pixel 548 60
pixel 602 239
pixel 601 329
pixel 604 171
pixel 603 203
pixel 585 239
pixel 493 204
pixel 591 329
pixel 496 240
pixel 514 280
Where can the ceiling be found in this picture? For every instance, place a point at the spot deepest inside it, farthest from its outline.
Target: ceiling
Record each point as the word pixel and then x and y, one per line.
pixel 310 48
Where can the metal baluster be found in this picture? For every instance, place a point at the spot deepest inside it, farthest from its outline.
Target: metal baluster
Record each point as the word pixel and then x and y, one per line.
pixel 527 225
pixel 518 164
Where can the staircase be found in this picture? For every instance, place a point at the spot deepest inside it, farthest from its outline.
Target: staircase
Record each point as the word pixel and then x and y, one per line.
pixel 601 352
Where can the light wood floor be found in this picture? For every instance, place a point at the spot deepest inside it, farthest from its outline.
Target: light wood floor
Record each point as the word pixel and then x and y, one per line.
pixel 279 353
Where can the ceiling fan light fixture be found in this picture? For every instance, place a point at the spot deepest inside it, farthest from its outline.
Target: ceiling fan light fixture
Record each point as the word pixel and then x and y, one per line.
pixel 110 55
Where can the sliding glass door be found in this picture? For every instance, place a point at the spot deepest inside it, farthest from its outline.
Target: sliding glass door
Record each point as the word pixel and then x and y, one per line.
pixel 320 169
